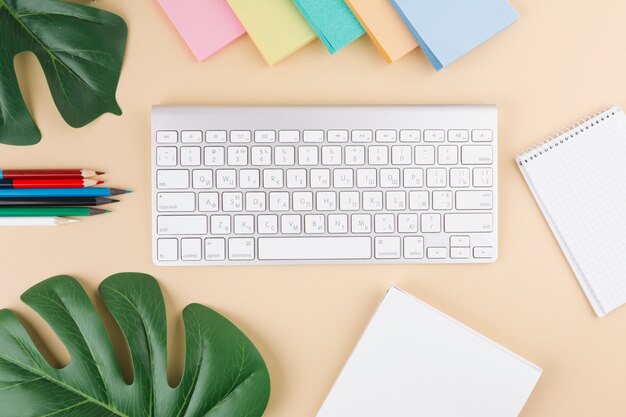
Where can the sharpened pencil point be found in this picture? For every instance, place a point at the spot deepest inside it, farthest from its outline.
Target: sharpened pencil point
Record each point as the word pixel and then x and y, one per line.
pixel 116 191
pixel 95 212
pixel 100 182
pixel 100 173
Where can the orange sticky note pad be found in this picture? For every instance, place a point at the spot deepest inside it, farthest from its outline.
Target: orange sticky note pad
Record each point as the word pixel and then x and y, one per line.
pixel 385 27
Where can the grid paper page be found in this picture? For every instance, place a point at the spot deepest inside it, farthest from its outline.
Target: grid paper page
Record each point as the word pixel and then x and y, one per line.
pixel 579 181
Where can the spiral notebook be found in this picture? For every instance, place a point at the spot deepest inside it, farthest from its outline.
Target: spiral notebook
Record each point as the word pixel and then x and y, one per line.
pixel 578 177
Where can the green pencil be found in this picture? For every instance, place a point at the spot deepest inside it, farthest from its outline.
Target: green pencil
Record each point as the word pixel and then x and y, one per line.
pixel 50 211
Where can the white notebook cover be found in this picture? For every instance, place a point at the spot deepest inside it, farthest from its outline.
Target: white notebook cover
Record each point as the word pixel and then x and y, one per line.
pixel 414 361
pixel 578 178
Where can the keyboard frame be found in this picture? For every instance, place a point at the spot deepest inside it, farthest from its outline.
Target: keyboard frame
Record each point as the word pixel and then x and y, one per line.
pixel 374 117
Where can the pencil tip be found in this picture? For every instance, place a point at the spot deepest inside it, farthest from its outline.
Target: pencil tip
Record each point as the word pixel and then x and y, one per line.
pixel 95 212
pixel 116 191
pixel 100 173
pixel 100 182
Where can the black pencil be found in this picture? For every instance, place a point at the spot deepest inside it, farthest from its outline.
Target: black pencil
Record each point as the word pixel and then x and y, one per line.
pixel 56 202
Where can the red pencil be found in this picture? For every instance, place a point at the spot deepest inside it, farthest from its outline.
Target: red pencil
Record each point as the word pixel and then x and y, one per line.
pixel 28 174
pixel 52 183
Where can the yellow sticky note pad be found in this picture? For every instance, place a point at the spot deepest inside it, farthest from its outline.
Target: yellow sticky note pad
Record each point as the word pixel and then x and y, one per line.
pixel 385 27
pixel 276 26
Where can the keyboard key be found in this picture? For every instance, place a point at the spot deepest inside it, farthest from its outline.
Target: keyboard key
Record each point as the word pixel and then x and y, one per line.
pixel 384 223
pixel 232 202
pixel 343 178
pixel 459 177
pixel 268 224
pixel 482 135
pixel 436 177
pixel 303 201
pixel 407 223
pixel 166 156
pixel 378 155
pixel 315 248
pixel 362 136
pixel 447 155
pixel 279 201
pixel 482 177
pixel 273 178
pixel 265 136
pixel 260 156
pixel 355 155
pixel 215 136
pixel 483 252
pixel 313 136
pixel 191 136
pixel 215 249
pixel 240 249
pixel 442 200
pixel 434 136
pixel 240 136
pixel 436 253
pixel 337 136
pixel 284 155
pixel 456 135
pixel 182 225
pixel 361 223
pixel 474 200
pixel 337 223
pixel 401 155
pixel 413 247
pixel 243 224
pixel 214 156
pixel 395 200
pixel 249 179
pixel 174 202
pixel 387 136
pixel 320 178
pixel 190 156
pixel 459 241
pixel 413 178
pixel 459 253
pixel 226 178
pixel 220 224
pixel 308 155
pixel 202 178
pixel 372 200
pixel 255 202
pixel 296 178
pixel 314 224
pixel 167 136
pixel 331 155
pixel 291 224
pixel 289 136
pixel 390 178
pixel 431 223
pixel 237 156
pixel 424 155
pixel 349 201
pixel 476 155
pixel 469 223
pixel 170 179
pixel 326 201
pixel 387 247
pixel 208 202
pixel 191 249
pixel 366 178
pixel 167 249
pixel 419 200
pixel 410 135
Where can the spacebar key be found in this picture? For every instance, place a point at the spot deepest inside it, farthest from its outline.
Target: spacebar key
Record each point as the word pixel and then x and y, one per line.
pixel 314 248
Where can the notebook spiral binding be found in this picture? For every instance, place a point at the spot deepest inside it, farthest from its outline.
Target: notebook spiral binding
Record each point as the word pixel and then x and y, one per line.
pixel 565 134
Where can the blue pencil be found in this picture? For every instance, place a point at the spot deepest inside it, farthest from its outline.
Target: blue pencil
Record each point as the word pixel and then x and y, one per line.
pixel 60 192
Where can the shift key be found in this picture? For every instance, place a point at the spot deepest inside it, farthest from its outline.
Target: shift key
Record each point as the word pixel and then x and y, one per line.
pixel 182 225
pixel 468 223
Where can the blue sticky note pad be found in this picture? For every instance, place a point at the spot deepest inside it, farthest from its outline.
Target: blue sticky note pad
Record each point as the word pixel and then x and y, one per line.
pixel 333 22
pixel 449 29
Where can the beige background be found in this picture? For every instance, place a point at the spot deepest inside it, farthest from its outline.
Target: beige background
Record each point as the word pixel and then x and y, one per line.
pixel 562 60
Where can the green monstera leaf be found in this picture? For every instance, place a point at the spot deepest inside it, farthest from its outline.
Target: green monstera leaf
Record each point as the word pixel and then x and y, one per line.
pixel 81 50
pixel 224 374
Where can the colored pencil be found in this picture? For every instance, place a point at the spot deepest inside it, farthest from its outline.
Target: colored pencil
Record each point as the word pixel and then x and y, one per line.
pixel 30 174
pixel 56 202
pixel 61 192
pixel 50 212
pixel 50 183
pixel 35 221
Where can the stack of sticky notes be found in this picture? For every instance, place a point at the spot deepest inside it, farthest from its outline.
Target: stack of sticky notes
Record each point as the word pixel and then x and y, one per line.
pixel 206 25
pixel 445 29
pixel 385 27
pixel 449 29
pixel 333 22
pixel 275 26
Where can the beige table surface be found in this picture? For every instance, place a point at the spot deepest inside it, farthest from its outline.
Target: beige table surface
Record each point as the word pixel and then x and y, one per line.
pixel 562 60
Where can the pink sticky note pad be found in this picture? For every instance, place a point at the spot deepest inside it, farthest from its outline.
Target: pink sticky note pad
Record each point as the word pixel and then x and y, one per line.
pixel 206 25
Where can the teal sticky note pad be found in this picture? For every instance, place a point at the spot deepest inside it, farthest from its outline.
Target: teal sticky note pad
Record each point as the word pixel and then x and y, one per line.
pixel 333 22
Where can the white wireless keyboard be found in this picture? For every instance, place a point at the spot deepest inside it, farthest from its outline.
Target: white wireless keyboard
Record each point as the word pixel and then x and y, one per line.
pixel 284 185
